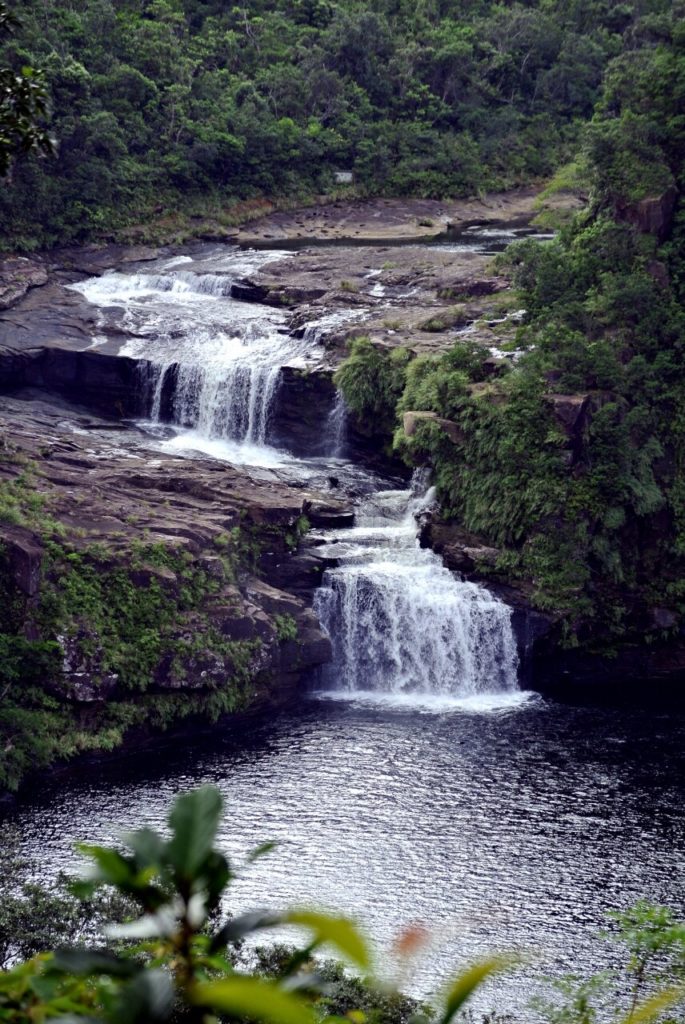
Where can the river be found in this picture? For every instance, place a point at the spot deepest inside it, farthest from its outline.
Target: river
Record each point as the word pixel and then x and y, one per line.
pixel 416 781
pixel 502 823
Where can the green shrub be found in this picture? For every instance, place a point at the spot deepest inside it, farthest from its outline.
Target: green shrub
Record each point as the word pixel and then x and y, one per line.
pixel 372 381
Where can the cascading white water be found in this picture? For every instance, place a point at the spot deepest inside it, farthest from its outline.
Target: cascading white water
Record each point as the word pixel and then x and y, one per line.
pixel 399 621
pixel 336 430
pixel 229 400
pixel 177 282
pixel 225 356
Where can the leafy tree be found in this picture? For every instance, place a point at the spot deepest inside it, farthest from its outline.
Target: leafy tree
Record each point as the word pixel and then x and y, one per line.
pixel 177 105
pixel 592 514
pixel 23 106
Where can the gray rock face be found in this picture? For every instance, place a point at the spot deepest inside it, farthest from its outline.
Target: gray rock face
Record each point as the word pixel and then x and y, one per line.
pixel 412 420
pixel 108 498
pixel 23 553
pixel 652 215
pixel 17 275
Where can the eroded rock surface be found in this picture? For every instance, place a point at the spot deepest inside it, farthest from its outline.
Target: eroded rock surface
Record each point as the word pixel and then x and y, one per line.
pixel 393 219
pixel 17 275
pixel 95 501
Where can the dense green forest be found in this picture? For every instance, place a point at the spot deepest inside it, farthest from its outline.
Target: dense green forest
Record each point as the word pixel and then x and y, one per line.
pixel 185 104
pixel 571 462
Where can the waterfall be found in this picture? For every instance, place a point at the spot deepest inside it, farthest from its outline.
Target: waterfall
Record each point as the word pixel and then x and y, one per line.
pixel 336 431
pixel 178 282
pixel 226 355
pixel 399 621
pixel 231 402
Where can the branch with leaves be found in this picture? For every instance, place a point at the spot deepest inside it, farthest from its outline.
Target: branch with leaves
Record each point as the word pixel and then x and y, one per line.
pixel 177 961
pixel 24 107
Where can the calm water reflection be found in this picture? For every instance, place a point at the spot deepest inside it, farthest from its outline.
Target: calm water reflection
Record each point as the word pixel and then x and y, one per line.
pixel 517 827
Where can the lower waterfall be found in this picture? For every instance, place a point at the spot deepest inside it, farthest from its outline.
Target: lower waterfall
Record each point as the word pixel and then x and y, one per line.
pixel 399 621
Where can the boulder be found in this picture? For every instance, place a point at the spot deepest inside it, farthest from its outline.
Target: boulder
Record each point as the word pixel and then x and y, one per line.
pixel 482 555
pixel 311 648
pixel 569 411
pixel 249 291
pixel 273 601
pixel 301 411
pixel 652 215
pixel 327 517
pixel 659 273
pixel 411 421
pixel 23 553
pixel 83 680
pixel 471 287
pixel 17 275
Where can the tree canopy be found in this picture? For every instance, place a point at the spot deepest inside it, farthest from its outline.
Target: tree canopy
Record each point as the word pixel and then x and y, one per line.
pixel 167 103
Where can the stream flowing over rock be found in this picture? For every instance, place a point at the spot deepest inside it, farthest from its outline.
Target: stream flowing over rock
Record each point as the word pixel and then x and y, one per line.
pixel 401 623
pixel 228 355
pixel 213 364
pixel 398 621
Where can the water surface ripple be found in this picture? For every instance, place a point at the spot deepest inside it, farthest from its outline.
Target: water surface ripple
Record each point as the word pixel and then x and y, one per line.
pixel 517 827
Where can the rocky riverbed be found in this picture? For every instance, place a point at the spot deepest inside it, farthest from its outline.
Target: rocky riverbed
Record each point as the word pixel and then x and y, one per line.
pixel 95 480
pixel 102 501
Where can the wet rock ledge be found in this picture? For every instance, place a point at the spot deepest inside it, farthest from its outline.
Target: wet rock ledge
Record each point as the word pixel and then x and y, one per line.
pixel 132 586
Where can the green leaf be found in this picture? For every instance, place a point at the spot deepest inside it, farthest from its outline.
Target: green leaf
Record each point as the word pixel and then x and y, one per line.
pixel 110 866
pixel 337 931
pixel 162 923
pixel 147 846
pixel 93 961
pixel 149 997
pixel 194 820
pixel 242 996
pixel 238 927
pixel 467 983
pixel 216 874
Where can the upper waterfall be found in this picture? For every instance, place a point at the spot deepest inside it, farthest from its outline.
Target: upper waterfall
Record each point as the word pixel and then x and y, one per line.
pixel 217 360
pixel 399 621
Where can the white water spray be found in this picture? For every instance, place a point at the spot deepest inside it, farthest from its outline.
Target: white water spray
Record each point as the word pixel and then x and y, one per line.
pixel 215 363
pixel 336 429
pixel 400 622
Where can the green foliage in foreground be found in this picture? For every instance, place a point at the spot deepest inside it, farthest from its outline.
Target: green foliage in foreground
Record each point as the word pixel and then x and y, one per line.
pixel 175 103
pixel 177 958
pixel 588 505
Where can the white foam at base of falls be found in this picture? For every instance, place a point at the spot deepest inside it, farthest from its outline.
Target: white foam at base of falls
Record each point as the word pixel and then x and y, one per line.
pixel 237 453
pixel 400 623
pixel 432 704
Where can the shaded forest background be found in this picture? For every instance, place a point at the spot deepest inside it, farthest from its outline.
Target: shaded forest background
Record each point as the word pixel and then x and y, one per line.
pixel 163 105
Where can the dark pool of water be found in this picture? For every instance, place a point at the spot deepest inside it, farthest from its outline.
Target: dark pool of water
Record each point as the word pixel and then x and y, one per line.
pixel 518 827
